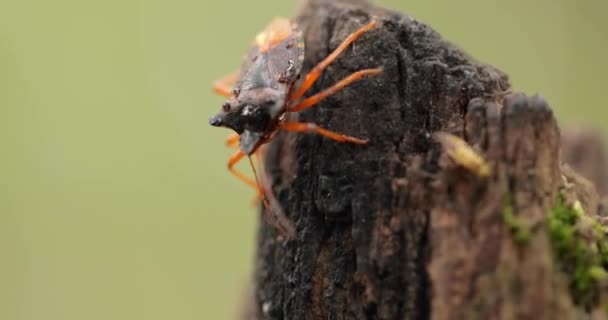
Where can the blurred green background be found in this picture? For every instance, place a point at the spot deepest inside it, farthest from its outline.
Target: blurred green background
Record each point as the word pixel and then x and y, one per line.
pixel 114 198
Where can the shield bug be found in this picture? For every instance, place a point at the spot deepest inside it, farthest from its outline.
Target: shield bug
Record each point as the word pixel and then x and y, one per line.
pixel 265 90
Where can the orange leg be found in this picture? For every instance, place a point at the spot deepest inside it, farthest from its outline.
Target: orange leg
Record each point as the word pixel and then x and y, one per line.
pixel 274 213
pixel 236 157
pixel 261 191
pixel 262 195
pixel 259 196
pixel 232 140
pixel 311 101
pixel 223 86
pixel 313 128
pixel 316 72
pixel 259 158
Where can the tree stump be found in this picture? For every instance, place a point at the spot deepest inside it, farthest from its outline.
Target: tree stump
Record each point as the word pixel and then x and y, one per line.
pixel 398 229
pixel 584 150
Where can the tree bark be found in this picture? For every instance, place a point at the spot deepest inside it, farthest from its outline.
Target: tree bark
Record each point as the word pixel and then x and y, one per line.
pixel 398 229
pixel 584 150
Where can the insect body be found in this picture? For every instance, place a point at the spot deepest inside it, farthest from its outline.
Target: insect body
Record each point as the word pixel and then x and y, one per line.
pixel 265 91
pixel 463 154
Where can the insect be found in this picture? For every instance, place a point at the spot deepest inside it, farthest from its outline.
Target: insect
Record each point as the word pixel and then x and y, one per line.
pixel 463 154
pixel 264 91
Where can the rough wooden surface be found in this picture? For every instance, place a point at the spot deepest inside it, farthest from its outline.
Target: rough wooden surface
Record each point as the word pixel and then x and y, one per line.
pixel 394 230
pixel 477 270
pixel 585 150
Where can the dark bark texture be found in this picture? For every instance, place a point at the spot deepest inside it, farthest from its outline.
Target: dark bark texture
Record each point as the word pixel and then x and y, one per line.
pixel 396 229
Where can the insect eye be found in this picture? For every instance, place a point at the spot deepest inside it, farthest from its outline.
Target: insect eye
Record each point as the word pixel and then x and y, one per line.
pixel 226 106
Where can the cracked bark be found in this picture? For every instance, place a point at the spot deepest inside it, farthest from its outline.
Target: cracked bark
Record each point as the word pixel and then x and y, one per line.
pixel 393 230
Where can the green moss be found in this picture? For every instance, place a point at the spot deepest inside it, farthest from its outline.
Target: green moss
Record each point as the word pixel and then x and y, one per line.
pixel 580 246
pixel 520 231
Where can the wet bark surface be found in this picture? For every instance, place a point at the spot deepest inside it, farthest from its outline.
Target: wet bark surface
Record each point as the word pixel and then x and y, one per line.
pixel 397 229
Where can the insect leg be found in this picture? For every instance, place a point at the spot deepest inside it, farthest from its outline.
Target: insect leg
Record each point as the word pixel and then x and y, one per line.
pixel 273 211
pixel 277 221
pixel 232 140
pixel 313 128
pixel 316 72
pixel 258 195
pixel 234 159
pixel 312 101
pixel 223 86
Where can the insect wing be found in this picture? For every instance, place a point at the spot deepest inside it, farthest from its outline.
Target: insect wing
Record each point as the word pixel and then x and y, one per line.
pixel 285 59
pixel 276 31
pixel 275 59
